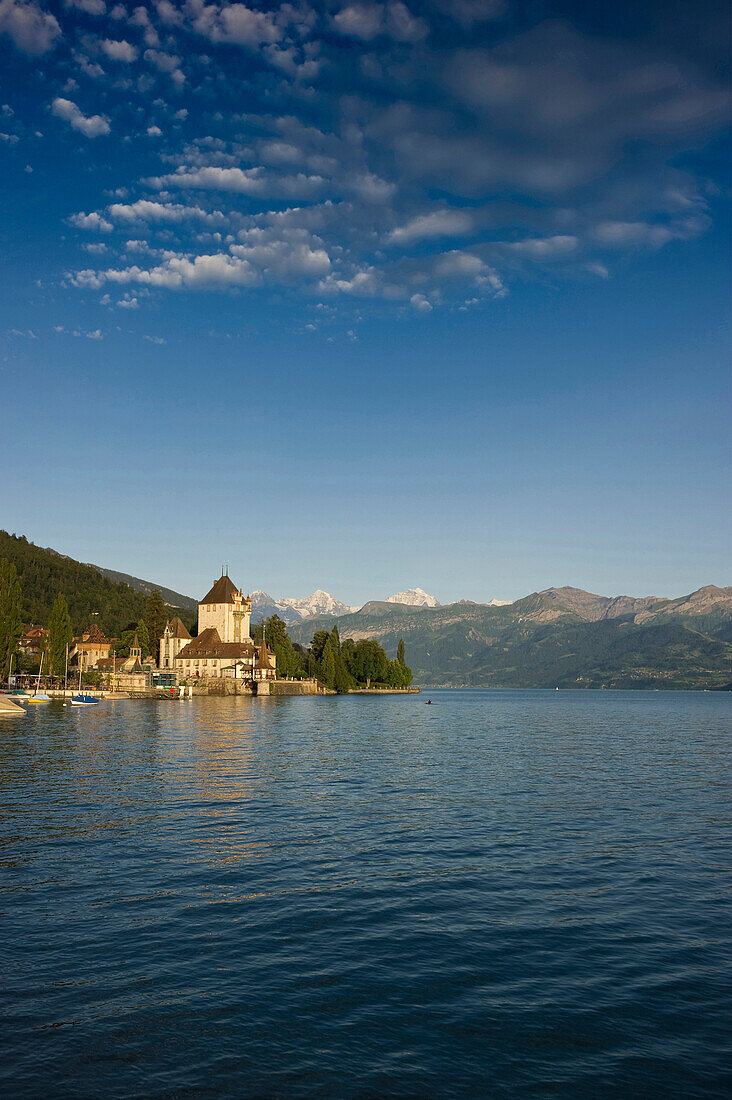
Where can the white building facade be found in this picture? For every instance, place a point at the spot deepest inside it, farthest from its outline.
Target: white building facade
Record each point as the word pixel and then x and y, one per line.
pixel 223 647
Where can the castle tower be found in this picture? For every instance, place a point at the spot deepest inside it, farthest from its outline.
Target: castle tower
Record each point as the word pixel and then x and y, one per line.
pixel 226 610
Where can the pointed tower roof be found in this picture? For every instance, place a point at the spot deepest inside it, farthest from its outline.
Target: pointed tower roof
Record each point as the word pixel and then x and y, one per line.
pixel 176 628
pixel 223 591
pixel 263 658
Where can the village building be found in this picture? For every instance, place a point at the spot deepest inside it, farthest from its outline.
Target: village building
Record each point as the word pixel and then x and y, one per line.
pixel 133 673
pixel 32 640
pixel 265 667
pixel 89 649
pixel 174 637
pixel 224 646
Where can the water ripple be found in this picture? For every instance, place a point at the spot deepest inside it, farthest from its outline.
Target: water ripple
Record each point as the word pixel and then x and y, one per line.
pixel 514 893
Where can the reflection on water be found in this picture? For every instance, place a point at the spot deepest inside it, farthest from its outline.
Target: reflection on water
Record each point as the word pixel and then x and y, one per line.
pixel 507 893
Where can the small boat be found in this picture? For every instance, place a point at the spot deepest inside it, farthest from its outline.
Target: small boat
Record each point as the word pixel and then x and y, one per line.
pixel 39 696
pixel 9 708
pixel 83 701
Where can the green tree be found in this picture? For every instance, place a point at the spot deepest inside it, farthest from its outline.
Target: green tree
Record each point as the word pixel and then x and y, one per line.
pixel 342 681
pixel 320 637
pixel 369 662
pixel 143 638
pixel 400 652
pixel 155 619
pixel 11 618
pixel 328 666
pixel 289 661
pixel 60 635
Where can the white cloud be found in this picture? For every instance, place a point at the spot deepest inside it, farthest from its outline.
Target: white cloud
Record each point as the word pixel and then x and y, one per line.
pixel 282 258
pixel 11 139
pixel 119 50
pixel 363 21
pixel 91 127
pixel 140 18
pixel 96 335
pixel 92 221
pixel 420 303
pixel 235 23
pixel 545 248
pixel 145 210
pixel 632 234
pixel 249 181
pixel 91 68
pixel 367 20
pixel 168 13
pixel 402 25
pixel 178 272
pixel 154 131
pixel 32 30
pixel 439 223
pixel 166 63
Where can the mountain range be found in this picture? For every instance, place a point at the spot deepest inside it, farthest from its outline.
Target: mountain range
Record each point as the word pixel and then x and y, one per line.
pixel 561 637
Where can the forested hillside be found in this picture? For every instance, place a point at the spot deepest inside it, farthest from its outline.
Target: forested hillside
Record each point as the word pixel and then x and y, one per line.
pixel 92 598
pixel 558 638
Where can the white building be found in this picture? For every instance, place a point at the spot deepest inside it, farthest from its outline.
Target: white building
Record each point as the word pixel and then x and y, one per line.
pixel 224 647
pixel 174 637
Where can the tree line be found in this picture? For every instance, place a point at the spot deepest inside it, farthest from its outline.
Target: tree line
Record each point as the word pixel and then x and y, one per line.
pixel 148 627
pixel 341 666
pixel 91 597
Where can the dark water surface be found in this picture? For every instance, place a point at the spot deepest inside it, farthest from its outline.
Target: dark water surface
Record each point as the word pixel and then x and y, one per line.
pixel 509 893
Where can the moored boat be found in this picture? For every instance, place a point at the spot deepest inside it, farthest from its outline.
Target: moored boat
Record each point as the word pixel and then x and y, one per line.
pixel 9 708
pixel 39 697
pixel 83 701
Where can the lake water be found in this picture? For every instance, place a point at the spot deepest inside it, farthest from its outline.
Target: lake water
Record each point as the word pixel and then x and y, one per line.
pixel 508 893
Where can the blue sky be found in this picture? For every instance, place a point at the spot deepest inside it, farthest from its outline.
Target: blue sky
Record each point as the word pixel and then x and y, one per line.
pixel 370 295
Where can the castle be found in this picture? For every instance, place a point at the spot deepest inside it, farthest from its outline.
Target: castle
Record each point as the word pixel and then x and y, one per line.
pixel 224 646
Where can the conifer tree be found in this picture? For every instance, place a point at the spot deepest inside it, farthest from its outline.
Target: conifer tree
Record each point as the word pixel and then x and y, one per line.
pixel 155 618
pixel 400 652
pixel 11 621
pixel 143 638
pixel 328 666
pixel 342 681
pixel 317 646
pixel 60 634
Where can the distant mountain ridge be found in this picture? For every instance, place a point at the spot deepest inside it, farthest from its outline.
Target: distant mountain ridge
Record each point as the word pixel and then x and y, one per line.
pixel 175 599
pixel 414 597
pixel 560 637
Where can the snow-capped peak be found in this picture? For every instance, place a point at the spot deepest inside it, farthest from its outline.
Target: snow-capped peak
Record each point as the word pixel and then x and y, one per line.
pixel 415 597
pixel 320 603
